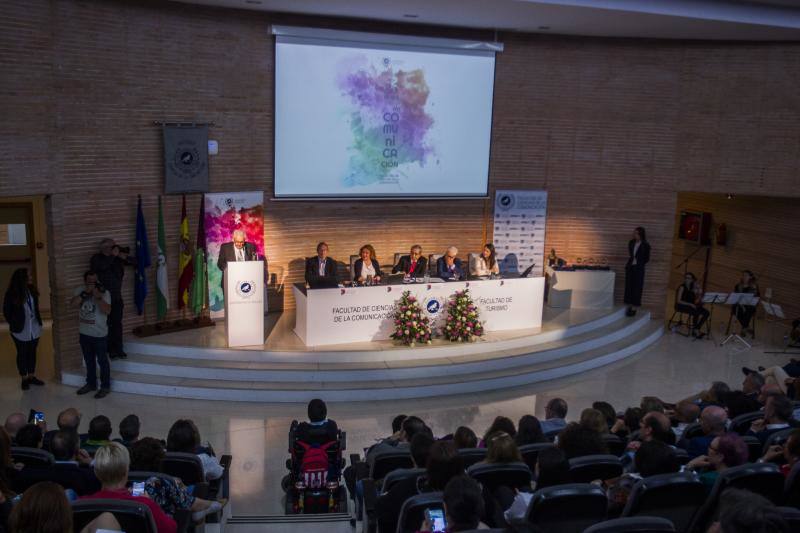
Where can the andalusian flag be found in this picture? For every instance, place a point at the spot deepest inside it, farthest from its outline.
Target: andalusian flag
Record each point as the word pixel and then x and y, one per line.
pixel 199 300
pixel 185 267
pixel 162 281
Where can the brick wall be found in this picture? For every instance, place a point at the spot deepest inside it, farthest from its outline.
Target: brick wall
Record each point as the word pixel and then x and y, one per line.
pixel 612 128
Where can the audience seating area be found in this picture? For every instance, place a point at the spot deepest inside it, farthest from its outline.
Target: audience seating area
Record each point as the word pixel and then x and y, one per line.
pixel 659 466
pixel 184 487
pixel 648 468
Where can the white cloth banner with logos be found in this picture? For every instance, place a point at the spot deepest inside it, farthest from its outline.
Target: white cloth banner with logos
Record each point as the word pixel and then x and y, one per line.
pixel 363 314
pixel 519 226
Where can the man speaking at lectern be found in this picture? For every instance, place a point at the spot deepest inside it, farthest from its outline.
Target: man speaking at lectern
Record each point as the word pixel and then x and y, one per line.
pixel 238 250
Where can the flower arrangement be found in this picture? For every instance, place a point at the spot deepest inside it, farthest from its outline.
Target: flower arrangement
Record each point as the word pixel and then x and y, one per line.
pixel 462 323
pixel 411 326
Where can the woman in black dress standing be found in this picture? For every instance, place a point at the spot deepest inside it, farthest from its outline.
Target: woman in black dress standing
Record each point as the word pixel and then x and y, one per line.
pixel 638 256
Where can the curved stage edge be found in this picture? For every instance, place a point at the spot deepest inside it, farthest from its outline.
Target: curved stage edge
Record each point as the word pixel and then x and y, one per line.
pixel 196 365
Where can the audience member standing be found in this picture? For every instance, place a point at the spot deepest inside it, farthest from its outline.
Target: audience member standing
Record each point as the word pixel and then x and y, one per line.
pixel 109 265
pixel 94 305
pixel 21 311
pixel 638 257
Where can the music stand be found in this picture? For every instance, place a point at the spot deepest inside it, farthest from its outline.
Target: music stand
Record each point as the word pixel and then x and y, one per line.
pixel 713 298
pixel 775 315
pixel 739 298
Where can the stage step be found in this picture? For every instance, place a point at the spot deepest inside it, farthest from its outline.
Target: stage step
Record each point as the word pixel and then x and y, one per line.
pixel 360 383
pixel 232 370
pixel 172 346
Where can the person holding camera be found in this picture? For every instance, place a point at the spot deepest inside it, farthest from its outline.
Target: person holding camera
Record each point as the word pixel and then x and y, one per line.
pixel 94 305
pixel 109 265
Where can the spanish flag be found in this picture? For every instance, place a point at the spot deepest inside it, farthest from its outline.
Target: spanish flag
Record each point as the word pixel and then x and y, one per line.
pixel 185 267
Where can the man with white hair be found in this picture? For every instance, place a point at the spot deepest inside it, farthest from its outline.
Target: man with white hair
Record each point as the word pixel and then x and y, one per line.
pixel 448 267
pixel 237 250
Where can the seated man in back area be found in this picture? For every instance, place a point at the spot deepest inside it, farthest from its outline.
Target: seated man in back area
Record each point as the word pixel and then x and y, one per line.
pixel 319 429
pixel 777 416
pixel 555 413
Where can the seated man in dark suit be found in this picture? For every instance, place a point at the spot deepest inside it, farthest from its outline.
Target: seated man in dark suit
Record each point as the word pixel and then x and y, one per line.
pixel 321 269
pixel 72 469
pixel 777 416
pixel 412 265
pixel 319 429
pixel 449 266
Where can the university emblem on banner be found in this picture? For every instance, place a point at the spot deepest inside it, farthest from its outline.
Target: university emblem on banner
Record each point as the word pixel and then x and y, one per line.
pixel 433 305
pixel 505 202
pixel 245 289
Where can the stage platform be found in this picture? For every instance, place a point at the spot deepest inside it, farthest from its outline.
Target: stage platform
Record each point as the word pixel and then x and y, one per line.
pixel 196 364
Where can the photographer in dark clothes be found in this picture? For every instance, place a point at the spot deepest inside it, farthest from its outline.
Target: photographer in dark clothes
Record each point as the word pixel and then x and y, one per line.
pixel 109 265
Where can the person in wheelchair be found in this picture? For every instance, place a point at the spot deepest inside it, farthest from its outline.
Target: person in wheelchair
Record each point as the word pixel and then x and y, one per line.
pixel 319 429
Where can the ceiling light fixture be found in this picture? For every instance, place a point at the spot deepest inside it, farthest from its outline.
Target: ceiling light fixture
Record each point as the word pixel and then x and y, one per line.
pixel 253 2
pixel 410 16
pixel 544 27
pixel 729 196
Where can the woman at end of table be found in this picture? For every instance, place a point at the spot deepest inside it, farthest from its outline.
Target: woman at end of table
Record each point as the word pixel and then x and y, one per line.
pixel 367 266
pixel 484 264
pixel 638 257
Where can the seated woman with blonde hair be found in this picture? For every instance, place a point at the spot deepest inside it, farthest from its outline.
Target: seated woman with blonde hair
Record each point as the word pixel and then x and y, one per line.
pixel 367 266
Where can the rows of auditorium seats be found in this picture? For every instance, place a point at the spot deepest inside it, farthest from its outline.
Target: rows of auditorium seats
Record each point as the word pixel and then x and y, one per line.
pixel 655 467
pixel 179 468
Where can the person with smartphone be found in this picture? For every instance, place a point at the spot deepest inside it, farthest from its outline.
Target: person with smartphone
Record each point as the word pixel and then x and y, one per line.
pixel 94 304
pixel 463 508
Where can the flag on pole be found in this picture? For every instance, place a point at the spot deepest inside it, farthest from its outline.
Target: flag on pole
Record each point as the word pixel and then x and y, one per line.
pixel 185 266
pixel 199 300
pixel 142 260
pixel 162 279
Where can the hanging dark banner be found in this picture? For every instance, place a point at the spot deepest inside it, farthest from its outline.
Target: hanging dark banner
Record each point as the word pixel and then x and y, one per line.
pixel 185 159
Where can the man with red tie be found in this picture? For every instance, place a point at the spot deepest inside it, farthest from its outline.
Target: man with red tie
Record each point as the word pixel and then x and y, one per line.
pixel 412 265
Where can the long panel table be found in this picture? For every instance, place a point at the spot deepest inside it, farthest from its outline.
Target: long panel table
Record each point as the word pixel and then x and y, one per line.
pixel 362 314
pixel 588 289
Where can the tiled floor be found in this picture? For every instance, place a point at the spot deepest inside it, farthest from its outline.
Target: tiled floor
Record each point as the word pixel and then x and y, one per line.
pixel 256 434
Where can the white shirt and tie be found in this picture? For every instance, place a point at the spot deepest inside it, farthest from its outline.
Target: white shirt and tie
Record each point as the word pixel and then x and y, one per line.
pixel 239 253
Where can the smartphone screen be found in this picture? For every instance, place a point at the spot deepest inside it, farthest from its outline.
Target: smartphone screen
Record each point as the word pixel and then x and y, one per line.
pixel 38 417
pixel 138 488
pixel 436 519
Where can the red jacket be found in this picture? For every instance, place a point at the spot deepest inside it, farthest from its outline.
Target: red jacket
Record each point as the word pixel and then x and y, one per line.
pixel 164 524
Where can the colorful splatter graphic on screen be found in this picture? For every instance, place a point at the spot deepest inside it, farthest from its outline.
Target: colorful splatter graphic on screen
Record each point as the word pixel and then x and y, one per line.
pixel 388 120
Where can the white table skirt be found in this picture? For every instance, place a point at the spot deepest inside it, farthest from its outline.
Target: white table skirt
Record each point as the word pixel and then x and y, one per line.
pixel 362 314
pixel 588 289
